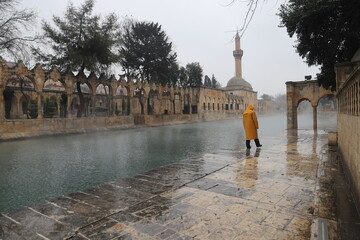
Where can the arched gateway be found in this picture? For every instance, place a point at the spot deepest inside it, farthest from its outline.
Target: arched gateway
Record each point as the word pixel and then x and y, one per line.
pixel 296 92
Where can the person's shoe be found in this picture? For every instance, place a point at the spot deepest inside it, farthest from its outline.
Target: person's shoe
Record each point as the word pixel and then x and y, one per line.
pixel 259 146
pixel 257 142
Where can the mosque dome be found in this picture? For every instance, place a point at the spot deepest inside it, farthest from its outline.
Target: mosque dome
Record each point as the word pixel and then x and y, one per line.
pixel 237 83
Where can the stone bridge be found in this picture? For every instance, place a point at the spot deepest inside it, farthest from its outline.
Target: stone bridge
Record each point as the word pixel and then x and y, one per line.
pixel 296 92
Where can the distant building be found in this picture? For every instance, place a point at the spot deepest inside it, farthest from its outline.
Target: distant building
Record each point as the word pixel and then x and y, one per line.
pixel 266 107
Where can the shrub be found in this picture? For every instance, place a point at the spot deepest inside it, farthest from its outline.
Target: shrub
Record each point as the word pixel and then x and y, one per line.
pixel 33 108
pixel 49 108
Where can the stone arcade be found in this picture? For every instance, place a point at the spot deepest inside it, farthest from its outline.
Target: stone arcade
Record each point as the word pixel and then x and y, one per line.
pixel 109 102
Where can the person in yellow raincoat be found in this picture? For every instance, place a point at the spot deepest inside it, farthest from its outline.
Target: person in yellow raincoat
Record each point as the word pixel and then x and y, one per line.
pixel 251 126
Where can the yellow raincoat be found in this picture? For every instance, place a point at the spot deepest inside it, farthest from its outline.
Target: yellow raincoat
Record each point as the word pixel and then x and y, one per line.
pixel 250 123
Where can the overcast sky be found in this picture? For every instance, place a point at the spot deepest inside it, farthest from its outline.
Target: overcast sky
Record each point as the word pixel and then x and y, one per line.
pixel 200 32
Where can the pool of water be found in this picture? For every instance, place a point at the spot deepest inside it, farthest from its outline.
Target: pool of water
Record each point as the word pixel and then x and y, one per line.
pixel 43 168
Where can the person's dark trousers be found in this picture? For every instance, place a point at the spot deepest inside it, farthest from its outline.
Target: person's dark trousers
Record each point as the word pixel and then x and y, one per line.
pixel 257 142
pixel 248 144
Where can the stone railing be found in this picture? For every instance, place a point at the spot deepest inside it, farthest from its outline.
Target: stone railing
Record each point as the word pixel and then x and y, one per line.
pixel 348 100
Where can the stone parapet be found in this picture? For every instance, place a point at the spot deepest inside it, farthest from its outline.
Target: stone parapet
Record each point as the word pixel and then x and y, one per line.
pixel 348 101
pixel 23 128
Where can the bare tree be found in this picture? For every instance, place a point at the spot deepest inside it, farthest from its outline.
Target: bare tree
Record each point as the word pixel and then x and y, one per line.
pixel 251 8
pixel 13 24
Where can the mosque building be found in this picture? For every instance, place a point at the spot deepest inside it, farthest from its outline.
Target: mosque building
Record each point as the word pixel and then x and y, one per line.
pixel 237 84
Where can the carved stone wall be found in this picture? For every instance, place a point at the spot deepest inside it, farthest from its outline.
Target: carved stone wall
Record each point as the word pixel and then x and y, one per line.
pixel 348 100
pixel 103 97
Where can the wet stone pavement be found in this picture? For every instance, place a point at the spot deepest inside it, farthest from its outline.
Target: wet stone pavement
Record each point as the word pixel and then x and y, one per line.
pixel 269 193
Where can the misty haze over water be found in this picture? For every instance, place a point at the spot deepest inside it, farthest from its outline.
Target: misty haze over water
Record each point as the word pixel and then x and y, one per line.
pixel 32 170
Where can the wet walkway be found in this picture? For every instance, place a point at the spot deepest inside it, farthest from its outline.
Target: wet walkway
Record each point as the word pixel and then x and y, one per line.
pixel 277 192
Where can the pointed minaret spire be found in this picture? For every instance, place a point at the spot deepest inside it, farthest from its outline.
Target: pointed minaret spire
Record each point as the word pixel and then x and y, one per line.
pixel 237 55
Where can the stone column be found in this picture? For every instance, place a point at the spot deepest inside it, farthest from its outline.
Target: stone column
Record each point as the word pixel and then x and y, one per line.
pixel 291 117
pixel 68 107
pixel 40 108
pixel 315 117
pixel 93 98
pixel 112 107
pixel 291 106
pixel 58 107
pixel 2 104
pixel 190 102
pixel 17 104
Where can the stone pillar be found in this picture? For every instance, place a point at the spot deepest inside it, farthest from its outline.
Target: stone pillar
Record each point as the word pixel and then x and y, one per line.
pixel 2 104
pixel 131 105
pixel 2 88
pixel 291 106
pixel 58 107
pixel 292 117
pixel 40 108
pixel 144 101
pixel 93 98
pixel 315 117
pixel 190 102
pixel 17 104
pixel 113 104
pixel 68 107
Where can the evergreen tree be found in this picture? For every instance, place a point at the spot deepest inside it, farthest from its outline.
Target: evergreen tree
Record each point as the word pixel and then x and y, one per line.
pixel 146 53
pixel 80 41
pixel 183 78
pixel 194 74
pixel 267 97
pixel 173 75
pixel 328 31
pixel 49 108
pixel 33 108
pixel 207 81
pixel 215 83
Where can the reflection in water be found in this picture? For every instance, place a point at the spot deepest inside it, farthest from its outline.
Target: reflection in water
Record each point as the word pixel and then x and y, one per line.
pixel 257 153
pixel 299 164
pixel 250 173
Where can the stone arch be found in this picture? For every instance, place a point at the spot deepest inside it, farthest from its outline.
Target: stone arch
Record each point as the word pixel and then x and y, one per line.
pixel 122 90
pixel 122 100
pixel 86 91
pixel 53 86
pixel 63 105
pixel 102 103
pixel 302 100
pixel 165 102
pixel 332 102
pixel 74 104
pixel 138 100
pixel 23 104
pixel 187 103
pixel 298 91
pixel 54 99
pixel 153 102
pixel 177 102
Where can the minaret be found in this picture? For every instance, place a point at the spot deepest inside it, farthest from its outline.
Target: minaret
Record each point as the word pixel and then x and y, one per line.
pixel 237 55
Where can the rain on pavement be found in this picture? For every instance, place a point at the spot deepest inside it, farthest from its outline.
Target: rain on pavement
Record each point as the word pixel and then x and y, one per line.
pixel 268 193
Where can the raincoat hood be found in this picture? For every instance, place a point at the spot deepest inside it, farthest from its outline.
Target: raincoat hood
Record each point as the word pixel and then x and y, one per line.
pixel 250 107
